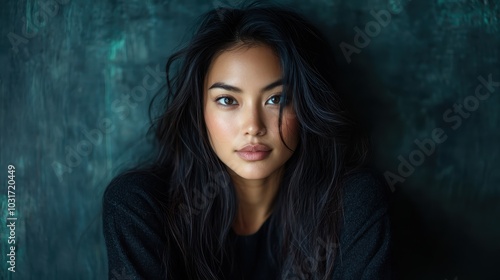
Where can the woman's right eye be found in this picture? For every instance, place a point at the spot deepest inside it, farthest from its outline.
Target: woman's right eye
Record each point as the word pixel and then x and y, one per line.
pixel 225 101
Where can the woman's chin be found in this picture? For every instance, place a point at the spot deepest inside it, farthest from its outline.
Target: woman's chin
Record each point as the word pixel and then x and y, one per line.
pixel 252 172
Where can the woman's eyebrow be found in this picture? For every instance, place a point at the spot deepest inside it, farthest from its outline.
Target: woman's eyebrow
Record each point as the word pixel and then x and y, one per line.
pixel 238 90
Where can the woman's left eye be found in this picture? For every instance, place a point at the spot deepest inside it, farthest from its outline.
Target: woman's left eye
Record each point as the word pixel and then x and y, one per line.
pixel 274 100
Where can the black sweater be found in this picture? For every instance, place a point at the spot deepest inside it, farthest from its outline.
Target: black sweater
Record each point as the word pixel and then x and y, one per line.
pixel 135 237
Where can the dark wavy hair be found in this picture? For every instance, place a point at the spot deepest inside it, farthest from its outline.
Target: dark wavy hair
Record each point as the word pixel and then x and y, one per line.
pixel 201 202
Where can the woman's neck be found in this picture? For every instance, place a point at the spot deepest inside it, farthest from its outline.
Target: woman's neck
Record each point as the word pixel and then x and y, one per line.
pixel 255 202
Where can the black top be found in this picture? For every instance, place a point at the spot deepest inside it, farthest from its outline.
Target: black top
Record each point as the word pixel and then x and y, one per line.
pixel 135 237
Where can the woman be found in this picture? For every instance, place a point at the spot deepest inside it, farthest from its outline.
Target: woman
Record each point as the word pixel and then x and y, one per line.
pixel 259 172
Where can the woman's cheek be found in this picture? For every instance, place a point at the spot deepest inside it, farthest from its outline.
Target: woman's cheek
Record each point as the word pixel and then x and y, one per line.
pixel 221 127
pixel 291 129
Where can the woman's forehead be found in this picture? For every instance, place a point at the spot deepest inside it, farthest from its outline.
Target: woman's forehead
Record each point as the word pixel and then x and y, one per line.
pixel 244 69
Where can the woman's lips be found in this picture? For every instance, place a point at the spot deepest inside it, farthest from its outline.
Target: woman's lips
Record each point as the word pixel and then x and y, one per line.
pixel 253 152
pixel 253 156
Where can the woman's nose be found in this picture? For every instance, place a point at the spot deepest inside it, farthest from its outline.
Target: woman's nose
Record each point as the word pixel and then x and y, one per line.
pixel 253 123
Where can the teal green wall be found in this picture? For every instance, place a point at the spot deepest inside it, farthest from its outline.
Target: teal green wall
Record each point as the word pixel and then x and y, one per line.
pixel 76 78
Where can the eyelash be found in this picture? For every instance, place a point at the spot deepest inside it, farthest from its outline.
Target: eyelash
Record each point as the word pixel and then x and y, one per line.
pixel 218 99
pixel 230 98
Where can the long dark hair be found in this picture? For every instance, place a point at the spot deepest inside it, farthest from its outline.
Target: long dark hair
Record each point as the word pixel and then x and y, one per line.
pixel 201 203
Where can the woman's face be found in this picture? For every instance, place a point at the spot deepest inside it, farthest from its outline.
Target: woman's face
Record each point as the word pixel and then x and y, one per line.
pixel 241 101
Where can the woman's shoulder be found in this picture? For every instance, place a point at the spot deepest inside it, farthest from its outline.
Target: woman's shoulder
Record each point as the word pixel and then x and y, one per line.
pixel 133 224
pixel 365 186
pixel 365 239
pixel 365 199
pixel 137 189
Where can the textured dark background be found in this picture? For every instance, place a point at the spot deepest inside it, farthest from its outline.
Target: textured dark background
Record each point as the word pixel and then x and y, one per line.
pixel 76 67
